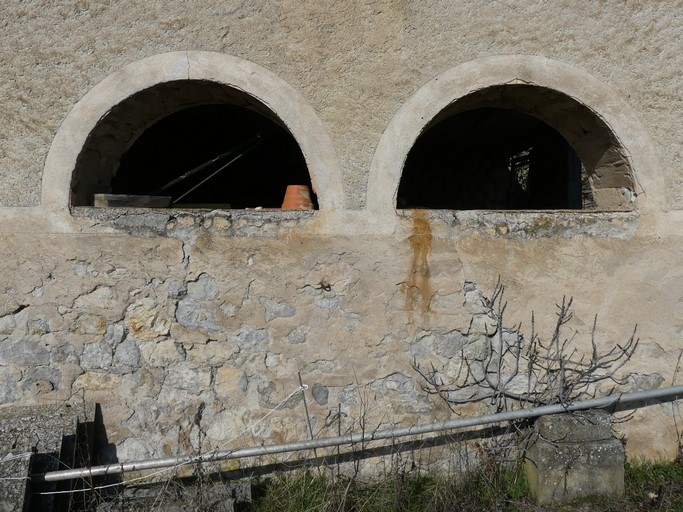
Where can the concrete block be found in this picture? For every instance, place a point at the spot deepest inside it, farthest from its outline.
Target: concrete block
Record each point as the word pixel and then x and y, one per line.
pixel 30 440
pixel 573 458
pixel 577 427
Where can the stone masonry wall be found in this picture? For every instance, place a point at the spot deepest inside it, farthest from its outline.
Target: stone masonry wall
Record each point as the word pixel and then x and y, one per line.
pixel 157 328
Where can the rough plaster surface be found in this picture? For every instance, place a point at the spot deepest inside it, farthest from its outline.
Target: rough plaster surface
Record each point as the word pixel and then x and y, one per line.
pixel 153 324
pixel 155 313
pixel 356 63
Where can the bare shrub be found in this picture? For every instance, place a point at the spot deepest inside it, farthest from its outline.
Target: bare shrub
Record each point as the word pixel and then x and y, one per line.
pixel 500 366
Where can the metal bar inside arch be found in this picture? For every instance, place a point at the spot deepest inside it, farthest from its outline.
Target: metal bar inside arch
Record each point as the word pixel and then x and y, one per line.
pixel 244 148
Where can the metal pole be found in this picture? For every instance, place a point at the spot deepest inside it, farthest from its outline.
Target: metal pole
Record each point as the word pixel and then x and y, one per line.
pixel 650 397
pixel 199 168
pixel 258 139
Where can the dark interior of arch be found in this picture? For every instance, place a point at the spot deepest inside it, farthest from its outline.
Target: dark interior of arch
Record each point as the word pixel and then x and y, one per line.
pixel 163 142
pixel 492 158
pixel 268 159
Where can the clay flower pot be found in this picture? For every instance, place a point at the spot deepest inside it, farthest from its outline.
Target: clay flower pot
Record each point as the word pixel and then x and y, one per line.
pixel 297 197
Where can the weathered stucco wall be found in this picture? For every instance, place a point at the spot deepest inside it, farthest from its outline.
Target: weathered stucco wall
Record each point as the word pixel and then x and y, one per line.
pixel 153 313
pixel 153 326
pixel 356 63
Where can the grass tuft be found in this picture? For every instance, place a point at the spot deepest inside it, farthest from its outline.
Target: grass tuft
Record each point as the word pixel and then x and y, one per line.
pixel 304 491
pixel 649 486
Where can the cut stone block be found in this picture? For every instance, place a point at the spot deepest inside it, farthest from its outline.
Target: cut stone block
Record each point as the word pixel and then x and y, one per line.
pixel 30 441
pixel 14 468
pixel 574 456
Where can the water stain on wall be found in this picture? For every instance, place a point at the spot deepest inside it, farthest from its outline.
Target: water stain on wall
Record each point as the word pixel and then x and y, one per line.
pixel 417 287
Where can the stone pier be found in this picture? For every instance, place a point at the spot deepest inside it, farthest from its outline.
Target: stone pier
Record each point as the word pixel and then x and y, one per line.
pixel 574 456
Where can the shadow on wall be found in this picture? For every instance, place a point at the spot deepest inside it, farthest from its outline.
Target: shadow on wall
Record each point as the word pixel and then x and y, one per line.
pixel 54 438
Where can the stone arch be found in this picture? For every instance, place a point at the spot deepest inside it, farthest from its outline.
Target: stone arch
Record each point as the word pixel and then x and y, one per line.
pixel 209 74
pixel 483 82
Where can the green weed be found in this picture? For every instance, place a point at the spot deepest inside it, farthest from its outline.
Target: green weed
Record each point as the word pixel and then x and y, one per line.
pixel 650 486
pixel 305 491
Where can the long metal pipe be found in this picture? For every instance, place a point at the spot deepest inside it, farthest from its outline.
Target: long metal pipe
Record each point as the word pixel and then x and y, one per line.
pixel 621 400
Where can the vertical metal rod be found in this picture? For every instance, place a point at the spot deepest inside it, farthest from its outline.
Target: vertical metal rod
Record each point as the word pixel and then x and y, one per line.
pixel 308 416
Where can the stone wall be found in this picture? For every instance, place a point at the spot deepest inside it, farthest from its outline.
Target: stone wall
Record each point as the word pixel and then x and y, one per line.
pixel 154 313
pixel 156 325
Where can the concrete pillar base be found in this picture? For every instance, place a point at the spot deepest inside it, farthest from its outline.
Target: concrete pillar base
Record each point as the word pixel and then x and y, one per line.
pixel 574 456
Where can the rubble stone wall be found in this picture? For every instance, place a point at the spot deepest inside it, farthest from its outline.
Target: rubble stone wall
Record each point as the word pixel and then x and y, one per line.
pixel 156 326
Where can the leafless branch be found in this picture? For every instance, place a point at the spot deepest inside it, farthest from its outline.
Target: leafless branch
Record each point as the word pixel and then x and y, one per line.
pixel 518 372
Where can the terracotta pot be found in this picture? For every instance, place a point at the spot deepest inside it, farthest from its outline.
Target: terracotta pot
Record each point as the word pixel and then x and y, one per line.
pixel 297 197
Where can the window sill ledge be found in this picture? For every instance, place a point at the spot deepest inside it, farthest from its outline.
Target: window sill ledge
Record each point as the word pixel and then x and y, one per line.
pixel 152 222
pixel 527 224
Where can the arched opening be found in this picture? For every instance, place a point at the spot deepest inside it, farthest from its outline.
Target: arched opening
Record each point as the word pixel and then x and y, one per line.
pixel 493 159
pixel 189 144
pixel 516 147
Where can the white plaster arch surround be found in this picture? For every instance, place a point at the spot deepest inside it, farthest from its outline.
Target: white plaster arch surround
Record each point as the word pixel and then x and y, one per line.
pixel 458 82
pixel 282 99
